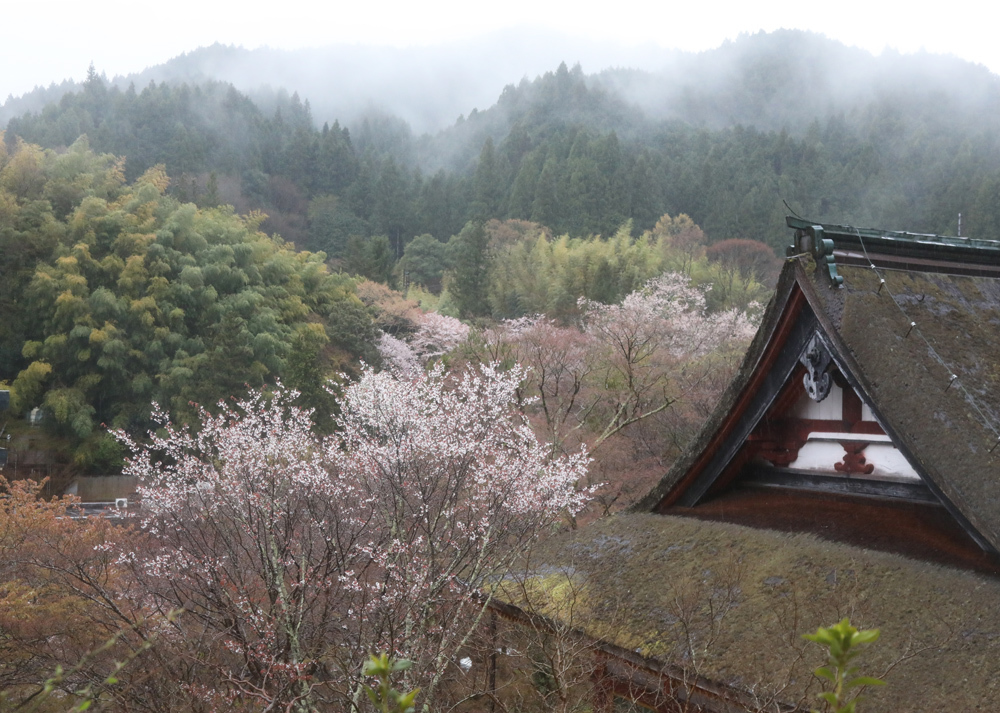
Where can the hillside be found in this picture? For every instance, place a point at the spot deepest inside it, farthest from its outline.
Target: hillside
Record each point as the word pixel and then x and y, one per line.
pixel 726 136
pixel 428 87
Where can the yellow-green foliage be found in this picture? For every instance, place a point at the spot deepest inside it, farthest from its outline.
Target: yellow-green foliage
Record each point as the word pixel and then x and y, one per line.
pixel 116 295
pixel 28 386
pixel 426 299
pixel 548 276
pixel 542 275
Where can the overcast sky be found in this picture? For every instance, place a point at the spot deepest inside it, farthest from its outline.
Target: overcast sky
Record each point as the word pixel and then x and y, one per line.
pixel 51 40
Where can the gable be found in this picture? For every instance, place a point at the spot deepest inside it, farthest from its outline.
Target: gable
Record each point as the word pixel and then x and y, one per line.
pixel 827 440
pixel 805 416
pixel 810 427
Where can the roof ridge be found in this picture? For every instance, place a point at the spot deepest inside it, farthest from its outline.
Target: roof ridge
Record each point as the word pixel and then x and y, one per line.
pixel 935 251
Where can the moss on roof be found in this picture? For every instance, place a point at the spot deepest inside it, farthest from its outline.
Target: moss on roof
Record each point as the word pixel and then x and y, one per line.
pixel 730 603
pixel 947 429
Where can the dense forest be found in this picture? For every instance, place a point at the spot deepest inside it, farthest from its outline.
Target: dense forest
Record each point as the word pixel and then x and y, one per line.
pixel 116 295
pixel 287 530
pixel 726 137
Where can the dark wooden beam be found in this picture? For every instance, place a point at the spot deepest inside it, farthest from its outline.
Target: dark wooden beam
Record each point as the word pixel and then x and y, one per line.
pixel 773 372
pixel 762 476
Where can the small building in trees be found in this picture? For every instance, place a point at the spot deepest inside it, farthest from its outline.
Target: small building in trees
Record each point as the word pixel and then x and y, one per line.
pixel 852 469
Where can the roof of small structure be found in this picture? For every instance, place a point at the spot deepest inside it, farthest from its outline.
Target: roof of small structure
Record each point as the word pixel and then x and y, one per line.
pixel 920 342
pixel 743 597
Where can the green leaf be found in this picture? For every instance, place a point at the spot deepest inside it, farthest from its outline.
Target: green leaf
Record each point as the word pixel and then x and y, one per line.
pixel 401 665
pixel 406 702
pixel 825 672
pixel 376 665
pixel 866 637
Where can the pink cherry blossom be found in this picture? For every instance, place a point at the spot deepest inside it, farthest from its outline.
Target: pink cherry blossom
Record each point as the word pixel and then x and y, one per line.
pixel 296 556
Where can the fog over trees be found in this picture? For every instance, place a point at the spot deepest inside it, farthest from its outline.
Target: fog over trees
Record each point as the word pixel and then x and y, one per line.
pixel 428 87
pixel 724 136
pixel 563 187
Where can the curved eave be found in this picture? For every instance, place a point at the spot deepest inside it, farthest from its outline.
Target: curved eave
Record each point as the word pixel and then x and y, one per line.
pixel 779 318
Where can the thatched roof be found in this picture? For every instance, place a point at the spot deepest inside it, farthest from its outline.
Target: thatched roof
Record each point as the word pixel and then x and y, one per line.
pixel 743 597
pixel 947 428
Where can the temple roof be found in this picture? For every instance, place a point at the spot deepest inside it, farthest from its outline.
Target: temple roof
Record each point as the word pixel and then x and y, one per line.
pixel 911 324
pixel 919 341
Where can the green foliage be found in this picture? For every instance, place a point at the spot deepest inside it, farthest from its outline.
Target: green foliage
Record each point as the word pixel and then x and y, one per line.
pixel 535 274
pixel 842 642
pixel 568 151
pixel 305 372
pixel 424 262
pixel 470 259
pixel 331 225
pixel 119 296
pixel 99 454
pixel 384 697
pixel 548 276
pixel 27 389
pixel 370 258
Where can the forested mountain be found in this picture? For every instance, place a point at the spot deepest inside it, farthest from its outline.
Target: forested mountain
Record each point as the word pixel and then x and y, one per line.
pixel 115 295
pixel 787 79
pixel 427 86
pixel 488 325
pixel 725 137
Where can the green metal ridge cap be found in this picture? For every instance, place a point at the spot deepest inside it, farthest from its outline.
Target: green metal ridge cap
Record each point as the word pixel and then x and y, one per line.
pixel 899 239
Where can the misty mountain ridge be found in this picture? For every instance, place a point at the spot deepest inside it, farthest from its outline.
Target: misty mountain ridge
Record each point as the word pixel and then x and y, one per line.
pixel 771 81
pixel 428 87
pixel 725 136
pixel 787 78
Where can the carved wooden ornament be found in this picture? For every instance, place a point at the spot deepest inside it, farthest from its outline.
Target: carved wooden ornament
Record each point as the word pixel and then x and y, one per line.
pixel 854 462
pixel 816 359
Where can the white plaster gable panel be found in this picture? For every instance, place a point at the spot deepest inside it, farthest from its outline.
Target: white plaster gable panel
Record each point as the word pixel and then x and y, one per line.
pixel 829 409
pixel 823 450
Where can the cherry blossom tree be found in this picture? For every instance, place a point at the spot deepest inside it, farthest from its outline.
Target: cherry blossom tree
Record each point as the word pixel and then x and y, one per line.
pixel 649 340
pixel 295 557
pixel 435 335
pixel 559 363
pixel 398 356
pixel 630 379
pixel 625 362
